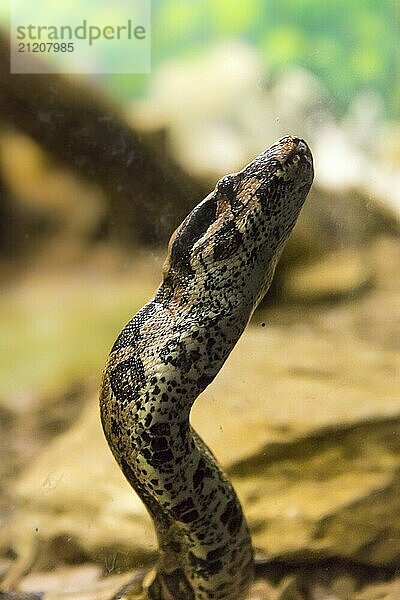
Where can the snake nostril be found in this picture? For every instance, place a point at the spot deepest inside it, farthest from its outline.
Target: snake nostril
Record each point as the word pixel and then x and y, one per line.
pixel 301 147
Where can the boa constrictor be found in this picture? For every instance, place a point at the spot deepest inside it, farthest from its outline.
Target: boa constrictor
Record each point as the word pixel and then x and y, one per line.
pixel 220 263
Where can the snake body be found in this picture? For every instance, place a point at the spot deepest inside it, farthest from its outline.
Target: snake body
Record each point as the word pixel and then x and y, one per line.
pixel 220 263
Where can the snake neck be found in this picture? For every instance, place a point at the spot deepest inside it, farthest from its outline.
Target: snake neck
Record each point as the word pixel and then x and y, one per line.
pixel 203 537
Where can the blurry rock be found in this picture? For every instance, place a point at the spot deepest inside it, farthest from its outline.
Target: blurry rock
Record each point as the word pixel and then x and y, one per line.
pixel 67 578
pixel 5 564
pixel 338 274
pixel 335 239
pixel 344 587
pixel 374 317
pixel 343 165
pixel 334 493
pixel 83 582
pixel 261 591
pixel 76 494
pixel 286 590
pixel 380 591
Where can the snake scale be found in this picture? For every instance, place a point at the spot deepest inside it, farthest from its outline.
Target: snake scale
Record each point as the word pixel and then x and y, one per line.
pixel 220 263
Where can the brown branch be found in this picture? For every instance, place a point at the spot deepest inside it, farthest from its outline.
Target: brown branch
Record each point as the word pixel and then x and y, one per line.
pixel 148 193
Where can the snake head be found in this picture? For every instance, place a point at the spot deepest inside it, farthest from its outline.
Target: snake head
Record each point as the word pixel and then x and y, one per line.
pixel 244 223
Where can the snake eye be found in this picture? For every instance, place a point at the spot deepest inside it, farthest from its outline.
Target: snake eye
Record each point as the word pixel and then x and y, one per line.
pixel 225 186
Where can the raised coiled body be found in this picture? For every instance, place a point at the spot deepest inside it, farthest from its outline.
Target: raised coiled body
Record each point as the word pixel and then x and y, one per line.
pixel 220 263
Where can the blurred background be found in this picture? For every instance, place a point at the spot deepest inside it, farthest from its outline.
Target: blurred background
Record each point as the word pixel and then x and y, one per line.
pixel 95 174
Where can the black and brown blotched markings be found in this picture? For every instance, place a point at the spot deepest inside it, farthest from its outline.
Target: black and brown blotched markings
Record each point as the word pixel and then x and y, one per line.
pixel 220 262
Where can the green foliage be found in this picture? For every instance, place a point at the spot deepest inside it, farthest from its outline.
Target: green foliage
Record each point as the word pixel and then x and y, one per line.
pixel 351 45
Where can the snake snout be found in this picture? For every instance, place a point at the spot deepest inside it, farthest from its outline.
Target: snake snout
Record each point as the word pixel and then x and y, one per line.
pixel 304 151
pixel 302 147
pixel 297 155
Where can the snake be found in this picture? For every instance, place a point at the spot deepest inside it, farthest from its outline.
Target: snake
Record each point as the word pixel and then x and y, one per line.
pixel 219 265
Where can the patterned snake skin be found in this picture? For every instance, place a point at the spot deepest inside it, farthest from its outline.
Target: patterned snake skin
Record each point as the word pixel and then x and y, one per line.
pixel 220 263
